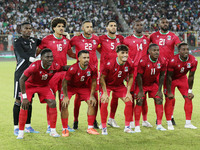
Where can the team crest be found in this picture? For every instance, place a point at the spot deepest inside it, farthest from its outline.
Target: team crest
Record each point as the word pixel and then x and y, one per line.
pixel 158 66
pixel 188 65
pixel 65 42
pixel 126 69
pixel 118 40
pixel 168 37
pixel 144 41
pixel 94 42
pixel 88 73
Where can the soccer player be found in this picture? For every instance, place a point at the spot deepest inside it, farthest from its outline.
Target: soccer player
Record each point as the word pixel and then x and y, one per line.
pixel 149 69
pixel 35 79
pixel 60 47
pixel 25 52
pixel 167 41
pixel 112 77
pixel 138 44
pixel 178 67
pixel 85 41
pixel 77 81
pixel 108 43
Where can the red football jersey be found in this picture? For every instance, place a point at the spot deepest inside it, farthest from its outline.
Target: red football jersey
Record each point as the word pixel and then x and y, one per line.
pixel 116 73
pixel 150 70
pixel 138 47
pixel 166 43
pixel 180 68
pixel 59 48
pixel 82 43
pixel 77 77
pixel 108 47
pixel 38 76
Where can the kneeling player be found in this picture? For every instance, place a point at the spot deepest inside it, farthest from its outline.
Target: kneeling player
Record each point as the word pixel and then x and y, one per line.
pixel 150 68
pixel 37 77
pixel 78 81
pixel 112 77
pixel 178 67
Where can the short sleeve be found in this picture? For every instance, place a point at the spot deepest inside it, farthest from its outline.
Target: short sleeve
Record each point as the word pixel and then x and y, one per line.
pixel 70 73
pixel 43 43
pixel 176 40
pixel 171 65
pixel 106 69
pixel 30 70
pixel 141 66
pixel 94 73
pixel 72 41
pixel 194 65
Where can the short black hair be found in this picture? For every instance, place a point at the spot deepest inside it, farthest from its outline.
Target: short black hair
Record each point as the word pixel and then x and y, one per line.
pixel 122 47
pixel 163 18
pixel 151 45
pixel 58 20
pixel 25 23
pixel 82 51
pixel 108 22
pixel 181 44
pixel 44 51
pixel 86 21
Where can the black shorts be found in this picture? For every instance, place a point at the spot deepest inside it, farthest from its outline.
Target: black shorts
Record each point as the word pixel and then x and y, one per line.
pixel 17 90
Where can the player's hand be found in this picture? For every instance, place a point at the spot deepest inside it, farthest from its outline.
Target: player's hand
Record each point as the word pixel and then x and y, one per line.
pixel 65 102
pixel 25 104
pixel 190 96
pixel 128 97
pixel 77 33
pixel 92 101
pixel 67 35
pixel 140 96
pixel 160 94
pixel 170 95
pixel 104 98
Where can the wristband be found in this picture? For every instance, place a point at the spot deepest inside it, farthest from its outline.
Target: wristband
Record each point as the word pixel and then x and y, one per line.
pixel 31 59
pixel 189 90
pixel 24 96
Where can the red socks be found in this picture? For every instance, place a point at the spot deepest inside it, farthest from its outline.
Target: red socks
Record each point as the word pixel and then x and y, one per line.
pixel 138 110
pixel 188 107
pixel 64 122
pixel 127 112
pixel 144 109
pixel 104 114
pixel 53 117
pixel 113 106
pixel 77 104
pixel 48 118
pixel 91 120
pixel 168 108
pixel 22 118
pixel 159 113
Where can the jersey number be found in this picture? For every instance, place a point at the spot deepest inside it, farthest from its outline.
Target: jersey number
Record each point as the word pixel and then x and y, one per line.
pixel 162 42
pixel 88 46
pixel 112 46
pixel 44 77
pixel 59 47
pixel 182 70
pixel 119 74
pixel 139 47
pixel 82 78
pixel 153 71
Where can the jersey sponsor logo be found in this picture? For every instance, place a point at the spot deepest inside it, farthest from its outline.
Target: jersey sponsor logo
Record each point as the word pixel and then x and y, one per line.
pixel 141 60
pixel 94 42
pixel 168 37
pixel 107 40
pixel 133 41
pixel 65 42
pixel 148 65
pixel 108 63
pixel 179 65
pixel 53 42
pixel 78 74
pixel 40 72
pixel 144 41
pixel 33 65
pixel 71 68
pixel 157 36
pixel 126 69
pixel 115 69
pixel 172 60
pixel 88 73
pixel 188 65
pixel 83 40
pixel 158 66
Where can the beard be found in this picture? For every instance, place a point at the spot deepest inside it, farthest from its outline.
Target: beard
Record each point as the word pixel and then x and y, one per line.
pixel 165 29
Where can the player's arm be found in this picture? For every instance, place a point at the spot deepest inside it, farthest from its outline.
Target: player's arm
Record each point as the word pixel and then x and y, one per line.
pixel 25 102
pixel 65 100
pixel 71 54
pixel 104 97
pixel 129 85
pixel 65 68
pixel 99 48
pixel 139 82
pixel 93 101
pixel 38 51
pixel 161 81
pixel 169 83
pixel 190 84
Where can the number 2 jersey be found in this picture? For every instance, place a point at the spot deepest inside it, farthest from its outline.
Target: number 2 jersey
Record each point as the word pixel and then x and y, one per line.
pixel 59 48
pixel 180 68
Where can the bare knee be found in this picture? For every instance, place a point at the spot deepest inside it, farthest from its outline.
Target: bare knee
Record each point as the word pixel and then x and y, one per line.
pixel 51 103
pixel 158 101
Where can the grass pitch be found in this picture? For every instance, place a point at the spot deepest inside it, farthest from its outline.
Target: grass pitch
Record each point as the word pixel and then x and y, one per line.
pixel 149 138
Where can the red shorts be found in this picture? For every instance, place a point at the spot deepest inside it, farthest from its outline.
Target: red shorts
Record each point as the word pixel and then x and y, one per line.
pixel 83 93
pixel 56 81
pixel 151 90
pixel 119 91
pixel 181 84
pixel 44 92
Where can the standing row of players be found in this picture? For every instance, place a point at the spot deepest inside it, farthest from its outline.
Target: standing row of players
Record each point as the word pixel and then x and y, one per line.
pixel 116 63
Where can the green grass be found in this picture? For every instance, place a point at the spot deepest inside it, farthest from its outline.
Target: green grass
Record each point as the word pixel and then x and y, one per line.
pixel 149 138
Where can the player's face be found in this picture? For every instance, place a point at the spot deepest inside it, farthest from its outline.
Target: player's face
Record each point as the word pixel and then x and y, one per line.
pixel 164 25
pixel 184 51
pixel 138 27
pixel 84 59
pixel 87 28
pixel 26 30
pixel 123 55
pixel 59 29
pixel 112 27
pixel 154 52
pixel 47 59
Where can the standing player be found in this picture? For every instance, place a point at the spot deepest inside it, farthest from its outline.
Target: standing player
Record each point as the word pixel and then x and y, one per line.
pixel 109 42
pixel 25 51
pixel 150 68
pixel 167 42
pixel 35 79
pixel 138 45
pixel 178 67
pixel 112 78
pixel 85 41
pixel 78 81
pixel 60 47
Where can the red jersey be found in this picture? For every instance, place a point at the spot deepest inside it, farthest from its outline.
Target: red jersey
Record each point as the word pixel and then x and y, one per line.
pixel 116 73
pixel 80 78
pixel 166 43
pixel 108 47
pixel 180 68
pixel 138 47
pixel 82 43
pixel 38 76
pixel 59 48
pixel 150 70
